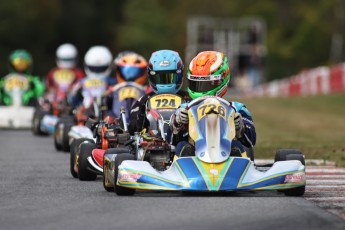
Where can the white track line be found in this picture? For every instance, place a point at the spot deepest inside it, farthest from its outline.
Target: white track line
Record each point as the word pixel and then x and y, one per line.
pixel 325 170
pixel 326 198
pixel 323 182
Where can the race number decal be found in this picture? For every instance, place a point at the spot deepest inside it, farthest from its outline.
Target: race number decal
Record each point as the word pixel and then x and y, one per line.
pixel 128 92
pixel 205 109
pixel 64 77
pixel 165 101
pixel 18 82
pixel 93 83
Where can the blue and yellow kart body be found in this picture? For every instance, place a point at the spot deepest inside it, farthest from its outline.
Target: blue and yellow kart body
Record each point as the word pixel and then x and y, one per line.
pixel 213 168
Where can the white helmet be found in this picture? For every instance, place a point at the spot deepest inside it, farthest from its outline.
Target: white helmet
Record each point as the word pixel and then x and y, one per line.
pixel 66 56
pixel 97 61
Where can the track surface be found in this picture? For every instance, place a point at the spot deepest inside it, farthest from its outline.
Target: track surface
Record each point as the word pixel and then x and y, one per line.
pixel 37 192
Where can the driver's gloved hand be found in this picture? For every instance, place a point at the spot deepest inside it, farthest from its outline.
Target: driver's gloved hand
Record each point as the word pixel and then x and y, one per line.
pixel 181 116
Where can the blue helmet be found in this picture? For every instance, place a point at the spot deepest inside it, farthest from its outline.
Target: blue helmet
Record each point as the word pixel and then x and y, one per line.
pixel 165 71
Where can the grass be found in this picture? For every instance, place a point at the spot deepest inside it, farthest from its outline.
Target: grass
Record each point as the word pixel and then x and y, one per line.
pixel 314 124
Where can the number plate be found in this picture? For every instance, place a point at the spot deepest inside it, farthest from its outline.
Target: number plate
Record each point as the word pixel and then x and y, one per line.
pixel 205 109
pixel 128 92
pixel 18 82
pixel 165 101
pixel 93 83
pixel 64 77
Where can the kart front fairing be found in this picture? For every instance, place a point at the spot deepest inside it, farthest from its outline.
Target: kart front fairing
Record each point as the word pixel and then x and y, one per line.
pixel 190 173
pixel 211 127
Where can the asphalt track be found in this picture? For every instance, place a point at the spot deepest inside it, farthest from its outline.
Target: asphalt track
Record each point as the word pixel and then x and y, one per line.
pixel 38 192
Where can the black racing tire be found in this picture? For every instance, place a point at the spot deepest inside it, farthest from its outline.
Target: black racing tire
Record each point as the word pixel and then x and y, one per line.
pixel 64 121
pixel 73 150
pixel 105 168
pixel 122 191
pixel 291 154
pixel 36 122
pixel 250 152
pixel 84 174
pixel 65 137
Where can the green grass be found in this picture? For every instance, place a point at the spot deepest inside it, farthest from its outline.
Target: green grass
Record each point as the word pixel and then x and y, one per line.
pixel 315 125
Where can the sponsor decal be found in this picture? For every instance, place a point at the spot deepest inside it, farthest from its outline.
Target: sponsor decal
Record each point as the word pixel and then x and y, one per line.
pixel 294 178
pixel 164 63
pixel 205 78
pixel 214 172
pixel 129 177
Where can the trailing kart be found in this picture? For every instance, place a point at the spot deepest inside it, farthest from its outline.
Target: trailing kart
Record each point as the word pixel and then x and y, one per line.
pixel 17 102
pixel 153 146
pixel 213 168
pixel 87 159
pixel 69 128
pixel 54 105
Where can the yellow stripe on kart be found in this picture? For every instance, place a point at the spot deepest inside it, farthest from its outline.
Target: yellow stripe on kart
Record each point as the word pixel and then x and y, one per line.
pixel 210 172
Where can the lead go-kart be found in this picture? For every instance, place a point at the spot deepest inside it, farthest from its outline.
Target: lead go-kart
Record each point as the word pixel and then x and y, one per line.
pixel 213 168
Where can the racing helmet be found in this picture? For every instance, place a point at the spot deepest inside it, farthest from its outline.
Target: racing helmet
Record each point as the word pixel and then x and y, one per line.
pixel 97 61
pixel 165 71
pixel 20 61
pixel 66 56
pixel 208 74
pixel 130 66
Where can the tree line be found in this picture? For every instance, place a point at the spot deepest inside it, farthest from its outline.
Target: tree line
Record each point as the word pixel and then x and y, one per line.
pixel 300 34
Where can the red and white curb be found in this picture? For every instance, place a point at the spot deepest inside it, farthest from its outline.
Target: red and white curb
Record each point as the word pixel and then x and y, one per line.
pixel 326 187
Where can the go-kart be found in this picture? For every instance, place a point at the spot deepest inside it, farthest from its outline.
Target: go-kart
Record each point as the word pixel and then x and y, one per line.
pixel 54 105
pixel 154 144
pixel 18 105
pixel 86 160
pixel 213 168
pixel 69 128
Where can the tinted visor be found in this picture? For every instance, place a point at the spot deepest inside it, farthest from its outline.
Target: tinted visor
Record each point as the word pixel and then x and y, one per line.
pixel 131 72
pixel 165 77
pixel 203 86
pixel 98 69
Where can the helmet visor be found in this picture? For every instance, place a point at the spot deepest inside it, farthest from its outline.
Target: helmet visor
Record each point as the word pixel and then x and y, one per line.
pixel 204 83
pixel 98 69
pixel 20 64
pixel 131 72
pixel 165 77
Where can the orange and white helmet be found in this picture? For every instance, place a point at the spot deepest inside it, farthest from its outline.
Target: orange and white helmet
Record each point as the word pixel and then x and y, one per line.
pixel 130 66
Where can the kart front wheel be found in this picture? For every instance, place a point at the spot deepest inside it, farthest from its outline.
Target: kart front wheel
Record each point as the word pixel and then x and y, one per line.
pixel 84 173
pixel 122 191
pixel 106 167
pixel 287 155
pixel 74 148
pixel 65 138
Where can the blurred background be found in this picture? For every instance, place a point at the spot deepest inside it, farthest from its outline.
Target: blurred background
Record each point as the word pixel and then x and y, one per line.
pixel 288 36
pixel 265 40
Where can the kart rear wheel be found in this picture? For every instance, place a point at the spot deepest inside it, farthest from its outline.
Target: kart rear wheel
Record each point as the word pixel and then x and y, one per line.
pixel 59 131
pixel 74 148
pixel 65 138
pixel 286 155
pixel 106 167
pixel 122 191
pixel 36 122
pixel 84 173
